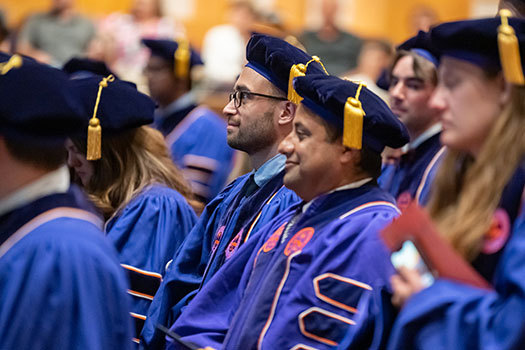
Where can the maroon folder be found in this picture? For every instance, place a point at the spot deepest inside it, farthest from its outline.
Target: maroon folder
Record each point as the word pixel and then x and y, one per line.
pixel 415 225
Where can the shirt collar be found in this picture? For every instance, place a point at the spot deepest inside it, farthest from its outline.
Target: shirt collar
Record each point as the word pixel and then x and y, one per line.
pixel 56 181
pixel 433 130
pixel 349 186
pixel 268 170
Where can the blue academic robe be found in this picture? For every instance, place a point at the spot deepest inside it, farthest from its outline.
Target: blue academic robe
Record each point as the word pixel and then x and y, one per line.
pixel 147 232
pixel 300 285
pixel 451 315
pixel 196 137
pixel 222 220
pixel 61 286
pixel 408 178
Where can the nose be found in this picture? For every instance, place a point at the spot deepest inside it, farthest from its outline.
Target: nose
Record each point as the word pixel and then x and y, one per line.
pixel 437 100
pixel 229 109
pixel 72 159
pixel 397 92
pixel 286 146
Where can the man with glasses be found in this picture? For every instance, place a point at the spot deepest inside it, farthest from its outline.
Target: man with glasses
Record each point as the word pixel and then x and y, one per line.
pixel 319 270
pixel 196 135
pixel 259 116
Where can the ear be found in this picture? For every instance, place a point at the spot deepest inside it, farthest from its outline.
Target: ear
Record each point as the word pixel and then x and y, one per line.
pixel 350 155
pixel 506 89
pixel 287 113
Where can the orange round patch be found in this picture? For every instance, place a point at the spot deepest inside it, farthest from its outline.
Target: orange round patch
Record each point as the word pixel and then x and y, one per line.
pixel 274 238
pixel 498 233
pixel 299 240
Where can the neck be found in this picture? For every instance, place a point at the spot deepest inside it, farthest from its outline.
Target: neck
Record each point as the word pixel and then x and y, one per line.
pixel 261 157
pixel 18 176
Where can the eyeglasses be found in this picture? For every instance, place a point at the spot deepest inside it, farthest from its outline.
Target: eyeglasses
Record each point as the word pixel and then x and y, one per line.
pixel 239 95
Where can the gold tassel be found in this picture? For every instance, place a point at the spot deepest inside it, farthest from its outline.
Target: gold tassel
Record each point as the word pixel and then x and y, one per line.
pixel 14 62
pixel 94 137
pixel 182 59
pixel 353 121
pixel 509 51
pixel 299 70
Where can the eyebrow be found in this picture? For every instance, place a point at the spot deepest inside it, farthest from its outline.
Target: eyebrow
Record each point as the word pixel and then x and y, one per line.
pixel 409 79
pixel 241 88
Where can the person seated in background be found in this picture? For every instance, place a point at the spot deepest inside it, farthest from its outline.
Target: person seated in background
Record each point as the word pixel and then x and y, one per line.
pixel 477 200
pixel 57 35
pixel 60 281
pixel 374 57
pixel 223 46
pixel 131 179
pixel 196 136
pixel 118 40
pixel 260 115
pixel 339 49
pixel 413 79
pixel 300 281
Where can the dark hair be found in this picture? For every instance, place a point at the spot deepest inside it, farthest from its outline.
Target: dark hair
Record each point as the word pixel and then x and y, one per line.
pixel 47 156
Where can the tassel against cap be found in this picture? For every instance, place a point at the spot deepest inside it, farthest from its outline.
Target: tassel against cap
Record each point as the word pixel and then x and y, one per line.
pixel 182 59
pixel 299 70
pixel 509 51
pixel 14 62
pixel 353 121
pixel 94 138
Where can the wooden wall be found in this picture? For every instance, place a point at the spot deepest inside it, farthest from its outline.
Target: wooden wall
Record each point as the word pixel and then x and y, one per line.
pixel 371 18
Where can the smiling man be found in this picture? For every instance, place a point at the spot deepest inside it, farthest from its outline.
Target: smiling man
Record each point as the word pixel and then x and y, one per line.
pixel 306 277
pixel 259 118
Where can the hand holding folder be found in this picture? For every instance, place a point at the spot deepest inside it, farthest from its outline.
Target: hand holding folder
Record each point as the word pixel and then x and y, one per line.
pixel 415 225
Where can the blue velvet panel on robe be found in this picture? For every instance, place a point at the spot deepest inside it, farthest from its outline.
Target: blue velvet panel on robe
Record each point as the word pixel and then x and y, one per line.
pixel 408 178
pixel 186 272
pixel 61 286
pixel 147 233
pixel 450 315
pixel 302 288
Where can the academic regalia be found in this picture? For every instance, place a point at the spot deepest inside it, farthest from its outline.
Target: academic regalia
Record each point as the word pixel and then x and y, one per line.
pixel 61 285
pixel 146 233
pixel 204 250
pixel 303 281
pixel 240 209
pixel 196 137
pixel 452 315
pixel 405 178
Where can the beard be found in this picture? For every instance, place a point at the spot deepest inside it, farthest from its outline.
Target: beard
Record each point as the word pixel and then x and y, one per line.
pixel 254 137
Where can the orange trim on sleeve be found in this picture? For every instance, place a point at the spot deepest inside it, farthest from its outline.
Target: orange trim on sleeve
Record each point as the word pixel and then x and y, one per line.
pixel 342 279
pixel 302 328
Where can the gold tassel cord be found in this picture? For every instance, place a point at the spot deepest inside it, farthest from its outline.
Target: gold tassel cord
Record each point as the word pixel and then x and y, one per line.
pixel 14 62
pixel 182 59
pixel 94 138
pixel 353 121
pixel 299 70
pixel 509 51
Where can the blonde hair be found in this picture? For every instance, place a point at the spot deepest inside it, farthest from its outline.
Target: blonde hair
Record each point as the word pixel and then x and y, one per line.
pixel 131 161
pixel 467 191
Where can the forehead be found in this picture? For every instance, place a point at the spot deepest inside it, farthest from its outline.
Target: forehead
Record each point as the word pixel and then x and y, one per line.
pixel 304 117
pixel 404 66
pixel 253 81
